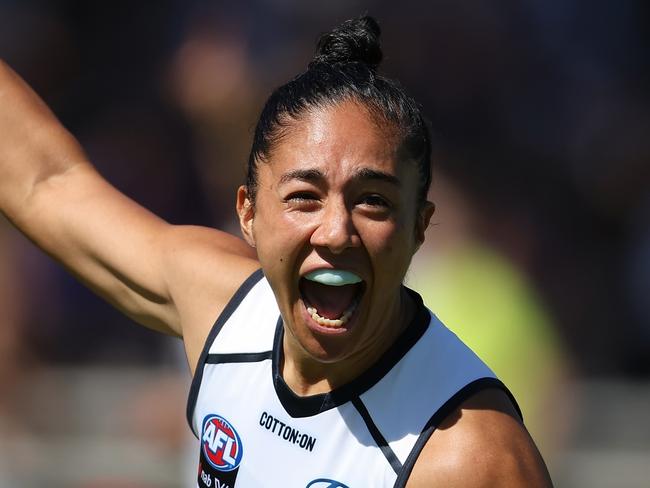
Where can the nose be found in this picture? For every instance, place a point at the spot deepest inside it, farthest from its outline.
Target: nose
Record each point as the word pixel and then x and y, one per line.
pixel 335 230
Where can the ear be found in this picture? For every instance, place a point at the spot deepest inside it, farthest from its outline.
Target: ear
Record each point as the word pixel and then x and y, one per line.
pixel 246 213
pixel 423 220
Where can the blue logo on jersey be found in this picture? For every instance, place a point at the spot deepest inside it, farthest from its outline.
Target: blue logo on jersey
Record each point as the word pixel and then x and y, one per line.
pixel 326 483
pixel 221 443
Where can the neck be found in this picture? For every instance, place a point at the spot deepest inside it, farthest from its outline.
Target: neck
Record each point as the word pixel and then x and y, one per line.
pixel 307 375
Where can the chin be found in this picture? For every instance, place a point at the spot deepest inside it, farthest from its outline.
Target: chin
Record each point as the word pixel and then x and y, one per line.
pixel 324 344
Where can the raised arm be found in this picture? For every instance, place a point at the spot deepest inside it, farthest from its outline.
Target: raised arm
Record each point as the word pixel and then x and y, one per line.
pixel 166 277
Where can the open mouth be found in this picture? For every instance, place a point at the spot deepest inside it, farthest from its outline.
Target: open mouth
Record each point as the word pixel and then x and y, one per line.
pixel 331 296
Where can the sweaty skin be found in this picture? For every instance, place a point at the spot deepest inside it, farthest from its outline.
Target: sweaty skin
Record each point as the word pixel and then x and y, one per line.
pixel 333 195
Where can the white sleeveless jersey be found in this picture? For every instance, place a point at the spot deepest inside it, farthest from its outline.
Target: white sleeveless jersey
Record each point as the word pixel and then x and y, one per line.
pixel 255 432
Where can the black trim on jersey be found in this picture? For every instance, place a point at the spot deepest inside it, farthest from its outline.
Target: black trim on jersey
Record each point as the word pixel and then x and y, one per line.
pixel 380 440
pixel 442 413
pixel 232 305
pixel 299 406
pixel 238 357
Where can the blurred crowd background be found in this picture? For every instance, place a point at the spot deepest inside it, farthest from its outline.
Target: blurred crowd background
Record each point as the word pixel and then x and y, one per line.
pixel 539 255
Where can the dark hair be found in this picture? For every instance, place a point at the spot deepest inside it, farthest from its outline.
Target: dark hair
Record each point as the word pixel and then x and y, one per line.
pixel 345 68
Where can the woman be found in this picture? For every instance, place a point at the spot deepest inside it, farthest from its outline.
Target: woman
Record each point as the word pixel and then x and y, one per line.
pixel 321 369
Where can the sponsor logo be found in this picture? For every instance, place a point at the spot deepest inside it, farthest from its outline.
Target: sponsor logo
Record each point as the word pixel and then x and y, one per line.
pixel 326 483
pixel 209 482
pixel 287 432
pixel 221 444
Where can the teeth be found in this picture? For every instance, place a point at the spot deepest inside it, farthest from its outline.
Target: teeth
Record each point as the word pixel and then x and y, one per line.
pixel 333 277
pixel 333 323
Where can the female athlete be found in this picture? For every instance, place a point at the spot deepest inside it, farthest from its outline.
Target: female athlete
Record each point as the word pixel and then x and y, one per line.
pixel 322 369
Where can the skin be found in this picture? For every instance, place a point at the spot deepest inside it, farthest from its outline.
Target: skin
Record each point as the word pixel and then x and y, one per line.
pixel 354 209
pixel 482 444
pixel 160 275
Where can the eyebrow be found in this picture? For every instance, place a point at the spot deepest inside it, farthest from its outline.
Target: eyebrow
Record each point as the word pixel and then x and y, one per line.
pixel 309 175
pixel 316 176
pixel 373 174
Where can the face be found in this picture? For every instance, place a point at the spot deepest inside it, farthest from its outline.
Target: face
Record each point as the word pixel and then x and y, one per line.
pixel 333 196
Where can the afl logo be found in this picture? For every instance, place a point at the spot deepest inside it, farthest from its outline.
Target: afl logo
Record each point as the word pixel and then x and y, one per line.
pixel 221 443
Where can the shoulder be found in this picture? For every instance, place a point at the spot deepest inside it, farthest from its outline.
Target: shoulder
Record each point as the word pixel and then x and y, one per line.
pixel 481 444
pixel 205 269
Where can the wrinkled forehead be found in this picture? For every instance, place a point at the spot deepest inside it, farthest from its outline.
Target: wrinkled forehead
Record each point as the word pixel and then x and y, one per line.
pixel 338 141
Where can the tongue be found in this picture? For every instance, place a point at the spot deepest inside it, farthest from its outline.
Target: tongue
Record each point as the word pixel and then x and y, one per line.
pixel 330 302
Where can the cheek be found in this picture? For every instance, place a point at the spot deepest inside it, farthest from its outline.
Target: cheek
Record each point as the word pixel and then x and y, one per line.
pixel 390 245
pixel 389 236
pixel 279 236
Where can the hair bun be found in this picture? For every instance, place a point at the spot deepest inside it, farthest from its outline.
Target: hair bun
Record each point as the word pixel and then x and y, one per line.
pixel 355 40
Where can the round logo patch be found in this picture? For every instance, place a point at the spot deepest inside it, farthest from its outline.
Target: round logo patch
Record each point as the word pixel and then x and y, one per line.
pixel 221 443
pixel 326 483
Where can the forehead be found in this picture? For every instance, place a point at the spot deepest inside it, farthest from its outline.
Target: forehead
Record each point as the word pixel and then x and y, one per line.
pixel 337 141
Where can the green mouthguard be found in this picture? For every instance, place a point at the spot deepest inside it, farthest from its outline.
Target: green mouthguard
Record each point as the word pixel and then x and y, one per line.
pixel 333 277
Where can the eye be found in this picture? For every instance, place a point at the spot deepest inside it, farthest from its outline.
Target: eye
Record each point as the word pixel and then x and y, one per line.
pixel 302 200
pixel 375 201
pixel 300 197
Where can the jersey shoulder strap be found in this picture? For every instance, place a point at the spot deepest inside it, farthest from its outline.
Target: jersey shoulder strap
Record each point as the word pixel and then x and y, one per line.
pixel 245 327
pixel 436 376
